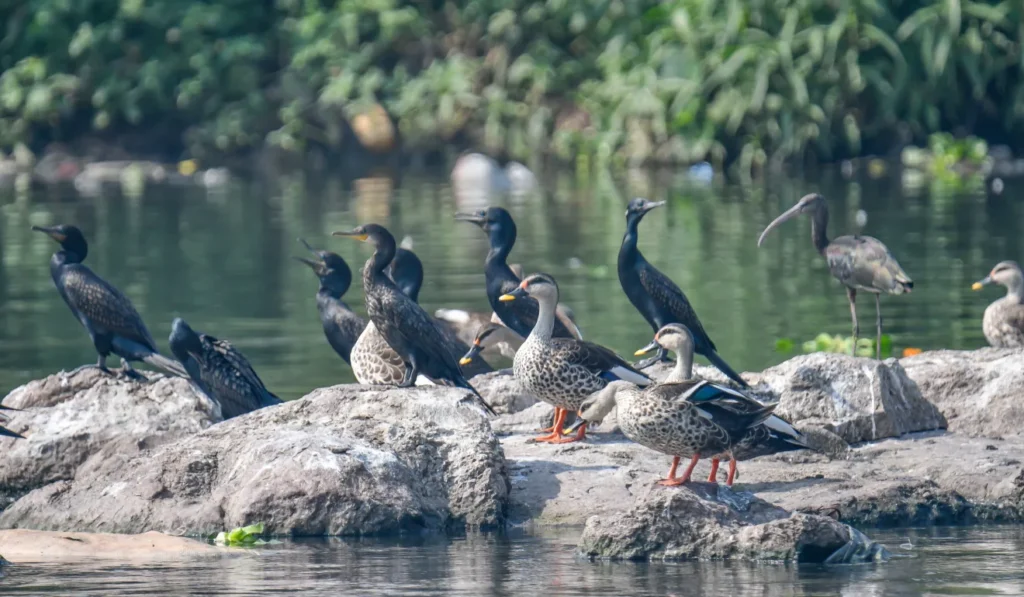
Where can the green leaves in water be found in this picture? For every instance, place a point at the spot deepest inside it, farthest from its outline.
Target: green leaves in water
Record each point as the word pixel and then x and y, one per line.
pixel 242 536
pixel 839 344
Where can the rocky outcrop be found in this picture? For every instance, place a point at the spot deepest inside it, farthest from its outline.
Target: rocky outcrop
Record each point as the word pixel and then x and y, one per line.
pixel 23 546
pixel 347 460
pixel 67 418
pixel 501 390
pixel 856 398
pixel 710 522
pixel 980 392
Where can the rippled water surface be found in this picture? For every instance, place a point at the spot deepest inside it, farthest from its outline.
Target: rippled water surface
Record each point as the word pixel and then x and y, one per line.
pixel 223 261
pixel 976 561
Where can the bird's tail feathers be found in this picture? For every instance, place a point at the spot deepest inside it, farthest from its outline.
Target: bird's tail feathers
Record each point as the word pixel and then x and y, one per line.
pixel 724 367
pixel 462 383
pixel 165 364
pixel 5 432
pixel 784 431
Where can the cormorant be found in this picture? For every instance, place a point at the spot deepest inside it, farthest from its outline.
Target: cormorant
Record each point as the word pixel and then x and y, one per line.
pixel 521 315
pixel 404 324
pixel 112 322
pixel 341 325
pixel 406 271
pixel 657 298
pixel 220 371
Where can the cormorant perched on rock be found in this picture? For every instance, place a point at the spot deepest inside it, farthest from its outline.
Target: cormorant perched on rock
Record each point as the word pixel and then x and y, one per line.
pixel 656 297
pixel 406 270
pixel 404 324
pixel 112 322
pixel 341 325
pixel 521 315
pixel 220 371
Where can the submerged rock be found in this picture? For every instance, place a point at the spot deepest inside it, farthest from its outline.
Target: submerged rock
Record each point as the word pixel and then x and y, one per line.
pixel 980 392
pixel 709 522
pixel 347 460
pixel 23 546
pixel 67 418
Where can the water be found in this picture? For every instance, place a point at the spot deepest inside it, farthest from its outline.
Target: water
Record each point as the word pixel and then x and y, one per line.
pixel 979 561
pixel 223 261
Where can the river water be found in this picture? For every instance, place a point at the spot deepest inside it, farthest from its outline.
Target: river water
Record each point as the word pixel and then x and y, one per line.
pixel 222 259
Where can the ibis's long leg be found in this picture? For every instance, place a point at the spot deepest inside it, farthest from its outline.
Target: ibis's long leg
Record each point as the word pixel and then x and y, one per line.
pixel 878 323
pixel 852 295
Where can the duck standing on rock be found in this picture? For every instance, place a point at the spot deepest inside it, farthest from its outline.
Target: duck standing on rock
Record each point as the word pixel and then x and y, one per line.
pixel 341 325
pixel 773 436
pixel 859 262
pixel 220 371
pixel 656 297
pixel 406 327
pixel 520 316
pixel 1003 322
pixel 562 371
pixel 680 417
pixel 112 322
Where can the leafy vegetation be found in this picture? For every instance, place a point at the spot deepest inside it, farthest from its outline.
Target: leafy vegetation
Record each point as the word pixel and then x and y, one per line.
pixel 242 536
pixel 835 343
pixel 753 81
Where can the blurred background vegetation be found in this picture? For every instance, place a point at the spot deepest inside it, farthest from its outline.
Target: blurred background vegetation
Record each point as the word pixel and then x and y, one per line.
pixel 755 82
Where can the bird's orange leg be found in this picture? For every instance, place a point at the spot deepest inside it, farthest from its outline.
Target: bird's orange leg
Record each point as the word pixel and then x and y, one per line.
pixel 673 479
pixel 581 434
pixel 557 433
pixel 552 428
pixel 713 477
pixel 732 472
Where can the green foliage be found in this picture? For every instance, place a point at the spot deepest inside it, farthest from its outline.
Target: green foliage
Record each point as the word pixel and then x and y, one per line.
pixel 242 536
pixel 835 343
pixel 754 81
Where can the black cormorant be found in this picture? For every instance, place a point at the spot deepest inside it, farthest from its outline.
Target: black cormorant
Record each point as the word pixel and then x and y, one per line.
pixel 521 315
pixel 657 298
pixel 112 322
pixel 220 371
pixel 341 325
pixel 404 324
pixel 406 270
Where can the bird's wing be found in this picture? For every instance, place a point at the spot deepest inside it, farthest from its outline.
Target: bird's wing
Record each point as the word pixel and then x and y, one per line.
pixel 418 328
pixel 103 305
pixel 234 359
pixel 599 360
pixel 865 262
pixel 665 292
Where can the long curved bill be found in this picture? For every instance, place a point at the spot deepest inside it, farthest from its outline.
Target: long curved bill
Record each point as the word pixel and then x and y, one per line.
pixel 318 266
pixel 981 283
pixel 787 215
pixel 53 233
pixel 360 236
pixel 477 218
pixel 649 205
pixel 646 349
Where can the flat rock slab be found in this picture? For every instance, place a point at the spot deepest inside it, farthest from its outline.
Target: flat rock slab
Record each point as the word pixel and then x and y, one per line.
pixel 502 392
pixel 980 392
pixel 930 478
pixel 347 460
pixel 67 418
pixel 20 546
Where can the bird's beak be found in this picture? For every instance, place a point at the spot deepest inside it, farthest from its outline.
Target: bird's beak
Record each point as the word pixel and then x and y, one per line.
pixel 787 215
pixel 473 351
pixel 477 218
pixel 319 267
pixel 579 423
pixel 360 236
pixel 53 233
pixel 652 205
pixel 517 293
pixel 646 349
pixel 308 246
pixel 981 283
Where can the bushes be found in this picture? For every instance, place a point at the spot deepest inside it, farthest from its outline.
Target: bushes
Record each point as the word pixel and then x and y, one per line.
pixel 757 81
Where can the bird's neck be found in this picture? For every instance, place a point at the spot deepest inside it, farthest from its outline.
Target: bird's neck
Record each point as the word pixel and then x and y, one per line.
pixel 819 225
pixel 683 370
pixel 1015 289
pixel 545 319
pixel 628 249
pixel 64 257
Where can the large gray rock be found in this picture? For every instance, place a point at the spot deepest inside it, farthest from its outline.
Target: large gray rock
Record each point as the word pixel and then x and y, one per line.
pixel 980 392
pixel 67 418
pixel 707 522
pixel 502 392
pixel 346 460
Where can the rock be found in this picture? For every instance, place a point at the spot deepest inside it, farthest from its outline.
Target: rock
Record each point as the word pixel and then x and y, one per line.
pixel 347 460
pixel 23 546
pixel 501 390
pixel 67 418
pixel 708 522
pixel 980 392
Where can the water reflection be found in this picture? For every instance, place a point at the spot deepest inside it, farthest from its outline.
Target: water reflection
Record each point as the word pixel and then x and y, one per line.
pixel 222 261
pixel 943 561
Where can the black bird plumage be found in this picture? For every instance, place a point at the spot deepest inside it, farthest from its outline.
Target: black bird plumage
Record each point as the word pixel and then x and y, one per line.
pixel 406 327
pixel 519 316
pixel 220 371
pixel 656 297
pixel 341 324
pixel 406 271
pixel 5 432
pixel 112 322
